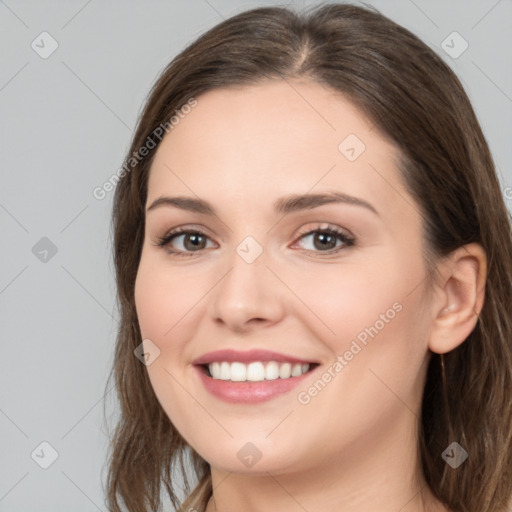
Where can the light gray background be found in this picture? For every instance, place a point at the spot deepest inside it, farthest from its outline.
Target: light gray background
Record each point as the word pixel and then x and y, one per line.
pixel 66 122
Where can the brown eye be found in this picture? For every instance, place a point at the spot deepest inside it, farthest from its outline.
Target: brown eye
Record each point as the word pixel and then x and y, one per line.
pixel 192 241
pixel 325 239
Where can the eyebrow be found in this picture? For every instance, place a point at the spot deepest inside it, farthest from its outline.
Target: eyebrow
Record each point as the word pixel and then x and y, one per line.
pixel 284 205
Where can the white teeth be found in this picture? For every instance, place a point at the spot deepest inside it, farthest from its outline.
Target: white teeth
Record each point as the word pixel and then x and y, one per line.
pixel 256 371
pixel 238 372
pixel 285 371
pixel 224 372
pixel 272 371
pixel 296 370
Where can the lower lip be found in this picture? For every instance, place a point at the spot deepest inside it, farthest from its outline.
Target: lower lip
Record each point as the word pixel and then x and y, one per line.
pixel 249 392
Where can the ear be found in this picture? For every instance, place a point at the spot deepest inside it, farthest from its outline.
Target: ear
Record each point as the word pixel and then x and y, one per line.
pixel 459 297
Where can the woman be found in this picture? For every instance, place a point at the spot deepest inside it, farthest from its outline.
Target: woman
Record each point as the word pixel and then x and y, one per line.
pixel 341 340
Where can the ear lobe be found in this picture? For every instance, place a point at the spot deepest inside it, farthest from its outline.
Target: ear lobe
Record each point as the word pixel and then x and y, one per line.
pixel 460 298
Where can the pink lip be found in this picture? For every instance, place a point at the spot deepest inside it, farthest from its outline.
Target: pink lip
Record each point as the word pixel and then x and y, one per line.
pixel 248 392
pixel 233 356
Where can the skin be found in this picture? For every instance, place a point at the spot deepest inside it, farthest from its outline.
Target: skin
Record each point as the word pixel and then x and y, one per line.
pixel 353 446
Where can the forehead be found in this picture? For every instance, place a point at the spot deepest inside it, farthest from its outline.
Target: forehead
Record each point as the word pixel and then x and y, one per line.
pixel 262 141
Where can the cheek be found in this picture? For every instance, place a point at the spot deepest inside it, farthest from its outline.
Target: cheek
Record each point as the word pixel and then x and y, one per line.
pixel 148 301
pixel 348 301
pixel 159 304
pixel 377 374
pixel 158 300
pixel 374 313
pixel 169 304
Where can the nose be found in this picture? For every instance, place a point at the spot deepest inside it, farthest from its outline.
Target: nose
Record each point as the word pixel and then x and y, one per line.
pixel 249 295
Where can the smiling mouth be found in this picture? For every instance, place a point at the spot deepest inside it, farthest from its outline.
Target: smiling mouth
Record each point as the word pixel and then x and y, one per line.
pixel 257 371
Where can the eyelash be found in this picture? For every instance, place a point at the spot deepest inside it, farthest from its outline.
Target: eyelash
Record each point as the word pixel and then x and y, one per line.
pixel 347 240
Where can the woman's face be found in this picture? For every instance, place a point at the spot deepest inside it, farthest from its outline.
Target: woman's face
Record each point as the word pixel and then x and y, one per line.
pixel 265 281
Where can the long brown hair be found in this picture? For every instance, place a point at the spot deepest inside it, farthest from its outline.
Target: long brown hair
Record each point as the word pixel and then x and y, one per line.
pixel 416 101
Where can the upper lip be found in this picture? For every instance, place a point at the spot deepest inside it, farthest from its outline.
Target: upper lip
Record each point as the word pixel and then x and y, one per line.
pixel 248 356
